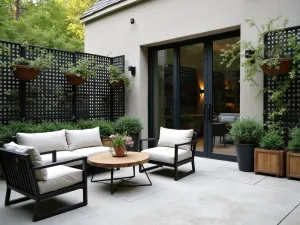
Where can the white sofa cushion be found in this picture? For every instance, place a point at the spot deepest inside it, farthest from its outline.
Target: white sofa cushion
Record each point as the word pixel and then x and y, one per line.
pixel 170 137
pixel 35 157
pixel 60 177
pixel 227 119
pixel 63 156
pixel 83 138
pixel 91 150
pixel 167 155
pixel 43 142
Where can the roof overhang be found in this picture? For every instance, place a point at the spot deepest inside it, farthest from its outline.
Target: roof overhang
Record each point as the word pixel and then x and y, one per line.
pixel 112 8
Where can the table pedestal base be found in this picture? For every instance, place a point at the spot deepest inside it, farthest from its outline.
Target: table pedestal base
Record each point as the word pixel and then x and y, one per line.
pixel 123 179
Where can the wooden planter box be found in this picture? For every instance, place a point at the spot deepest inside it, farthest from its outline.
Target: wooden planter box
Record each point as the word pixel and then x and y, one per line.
pixel 106 142
pixel 269 162
pixel 293 165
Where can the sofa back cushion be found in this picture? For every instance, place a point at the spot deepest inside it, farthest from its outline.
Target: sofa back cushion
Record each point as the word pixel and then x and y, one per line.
pixel 83 138
pixel 35 157
pixel 44 142
pixel 170 137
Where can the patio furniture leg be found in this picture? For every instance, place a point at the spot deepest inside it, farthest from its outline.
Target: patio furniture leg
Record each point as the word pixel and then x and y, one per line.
pixel 15 201
pixel 112 181
pixel 36 216
pixel 176 173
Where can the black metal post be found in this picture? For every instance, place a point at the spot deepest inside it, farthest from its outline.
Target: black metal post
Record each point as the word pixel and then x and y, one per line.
pixel 74 95
pixel 111 97
pixel 22 90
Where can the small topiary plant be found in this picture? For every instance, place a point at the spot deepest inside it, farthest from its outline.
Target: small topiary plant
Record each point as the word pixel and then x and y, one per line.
pixel 129 125
pixel 246 131
pixel 272 140
pixel 294 143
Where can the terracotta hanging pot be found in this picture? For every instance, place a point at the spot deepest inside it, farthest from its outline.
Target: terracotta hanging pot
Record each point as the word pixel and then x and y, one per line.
pixel 116 84
pixel 74 80
pixel 285 66
pixel 24 72
pixel 120 152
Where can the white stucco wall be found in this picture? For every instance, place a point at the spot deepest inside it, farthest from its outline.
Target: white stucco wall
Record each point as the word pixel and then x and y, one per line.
pixel 166 21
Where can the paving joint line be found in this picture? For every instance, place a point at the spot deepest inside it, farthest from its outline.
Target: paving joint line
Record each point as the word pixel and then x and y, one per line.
pixel 288 214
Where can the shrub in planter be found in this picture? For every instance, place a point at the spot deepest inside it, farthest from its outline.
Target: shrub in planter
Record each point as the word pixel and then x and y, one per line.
pixel 246 133
pixel 116 77
pixel 187 122
pixel 131 126
pixel 80 72
pixel 293 155
pixel 270 157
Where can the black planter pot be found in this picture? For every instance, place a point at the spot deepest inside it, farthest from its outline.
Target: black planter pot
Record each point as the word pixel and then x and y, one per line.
pixel 245 157
pixel 136 139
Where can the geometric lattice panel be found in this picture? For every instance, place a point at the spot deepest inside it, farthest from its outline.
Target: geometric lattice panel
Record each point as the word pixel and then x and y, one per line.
pixel 292 96
pixel 50 97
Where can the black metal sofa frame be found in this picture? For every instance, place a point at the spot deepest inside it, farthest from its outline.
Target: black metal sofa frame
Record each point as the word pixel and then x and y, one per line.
pixel 176 163
pixel 19 174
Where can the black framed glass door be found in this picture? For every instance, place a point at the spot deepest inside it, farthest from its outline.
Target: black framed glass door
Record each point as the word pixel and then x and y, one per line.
pixel 190 89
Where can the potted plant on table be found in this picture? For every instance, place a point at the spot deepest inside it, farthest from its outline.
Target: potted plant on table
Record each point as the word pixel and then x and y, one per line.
pixel 78 73
pixel 132 126
pixel 26 69
pixel 116 77
pixel 293 155
pixel 120 142
pixel 246 134
pixel 269 158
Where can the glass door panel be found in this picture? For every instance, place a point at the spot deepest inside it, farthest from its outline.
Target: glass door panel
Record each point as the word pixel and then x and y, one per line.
pixel 225 99
pixel 191 75
pixel 162 89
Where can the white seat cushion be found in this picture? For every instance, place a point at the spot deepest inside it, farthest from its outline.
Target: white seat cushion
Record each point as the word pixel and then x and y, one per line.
pixel 170 137
pixel 166 154
pixel 35 157
pixel 60 177
pixel 44 142
pixel 83 138
pixel 91 150
pixel 63 156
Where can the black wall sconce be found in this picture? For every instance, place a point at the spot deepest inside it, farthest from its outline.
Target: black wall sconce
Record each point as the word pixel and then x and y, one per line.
pixel 132 70
pixel 201 92
pixel 132 20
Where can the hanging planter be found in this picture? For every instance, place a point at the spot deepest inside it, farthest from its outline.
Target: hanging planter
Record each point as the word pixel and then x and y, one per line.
pixel 74 80
pixel 115 83
pixel 24 72
pixel 285 66
pixel 116 77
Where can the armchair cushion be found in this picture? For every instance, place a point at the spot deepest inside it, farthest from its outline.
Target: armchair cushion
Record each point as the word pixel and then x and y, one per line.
pixel 83 138
pixel 35 157
pixel 170 137
pixel 91 150
pixel 63 156
pixel 60 177
pixel 44 142
pixel 166 154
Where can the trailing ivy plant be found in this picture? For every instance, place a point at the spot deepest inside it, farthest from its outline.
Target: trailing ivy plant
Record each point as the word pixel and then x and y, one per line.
pixel 83 68
pixel 262 55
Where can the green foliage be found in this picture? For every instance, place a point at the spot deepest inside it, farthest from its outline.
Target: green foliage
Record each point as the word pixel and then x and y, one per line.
pixel 49 23
pixel 106 127
pixel 121 140
pixel 9 130
pixel 272 140
pixel 84 68
pixel 246 131
pixel 116 75
pixel 262 55
pixel 128 125
pixel 294 143
pixel 186 118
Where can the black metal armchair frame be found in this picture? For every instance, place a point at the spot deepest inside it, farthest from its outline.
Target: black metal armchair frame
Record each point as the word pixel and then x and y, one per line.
pixel 176 163
pixel 19 174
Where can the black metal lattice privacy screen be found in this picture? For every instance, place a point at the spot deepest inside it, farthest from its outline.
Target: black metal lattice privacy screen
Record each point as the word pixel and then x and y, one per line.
pixel 292 97
pixel 50 97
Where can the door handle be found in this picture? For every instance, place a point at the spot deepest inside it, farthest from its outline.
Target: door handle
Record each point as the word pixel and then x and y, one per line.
pixel 209 113
pixel 204 111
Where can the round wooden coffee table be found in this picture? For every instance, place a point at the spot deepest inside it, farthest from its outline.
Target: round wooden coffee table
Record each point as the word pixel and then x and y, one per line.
pixel 106 160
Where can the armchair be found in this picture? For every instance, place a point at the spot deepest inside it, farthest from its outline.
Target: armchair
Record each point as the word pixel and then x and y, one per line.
pixel 174 156
pixel 19 174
